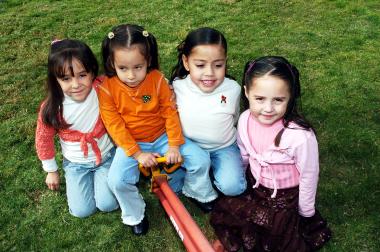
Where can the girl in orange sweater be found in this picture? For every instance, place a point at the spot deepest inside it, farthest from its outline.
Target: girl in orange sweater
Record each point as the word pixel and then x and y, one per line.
pixel 137 112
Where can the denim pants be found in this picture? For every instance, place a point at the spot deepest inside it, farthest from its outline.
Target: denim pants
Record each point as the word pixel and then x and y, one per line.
pixel 87 188
pixel 227 167
pixel 124 175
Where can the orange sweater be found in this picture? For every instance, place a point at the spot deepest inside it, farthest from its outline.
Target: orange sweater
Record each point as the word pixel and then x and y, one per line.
pixel 140 114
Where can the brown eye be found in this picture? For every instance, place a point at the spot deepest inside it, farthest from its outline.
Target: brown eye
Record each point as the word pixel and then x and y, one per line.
pixel 279 100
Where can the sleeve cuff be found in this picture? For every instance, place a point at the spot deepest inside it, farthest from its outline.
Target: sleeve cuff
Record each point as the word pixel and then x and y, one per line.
pixel 176 143
pixel 309 213
pixel 49 165
pixel 135 148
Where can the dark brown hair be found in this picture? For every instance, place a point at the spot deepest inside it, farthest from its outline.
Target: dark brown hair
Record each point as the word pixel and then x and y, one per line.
pixel 125 36
pixel 200 36
pixel 281 68
pixel 61 56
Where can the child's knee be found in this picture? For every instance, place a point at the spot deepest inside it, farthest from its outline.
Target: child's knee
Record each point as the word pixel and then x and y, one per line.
pixel 82 212
pixel 232 190
pixel 231 187
pixel 108 206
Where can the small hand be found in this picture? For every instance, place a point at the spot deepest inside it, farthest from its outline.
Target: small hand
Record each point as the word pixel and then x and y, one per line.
pixel 147 159
pixel 173 155
pixel 52 180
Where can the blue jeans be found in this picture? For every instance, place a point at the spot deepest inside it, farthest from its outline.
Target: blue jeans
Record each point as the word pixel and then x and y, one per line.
pixel 124 175
pixel 87 188
pixel 227 167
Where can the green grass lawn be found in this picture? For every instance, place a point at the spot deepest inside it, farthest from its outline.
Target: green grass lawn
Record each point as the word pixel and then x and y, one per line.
pixel 335 45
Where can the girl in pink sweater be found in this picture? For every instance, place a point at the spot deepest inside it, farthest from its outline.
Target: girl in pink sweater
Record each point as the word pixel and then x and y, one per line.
pixel 71 111
pixel 279 147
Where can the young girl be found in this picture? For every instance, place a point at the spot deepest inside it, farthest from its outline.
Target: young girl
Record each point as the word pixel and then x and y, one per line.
pixel 277 212
pixel 138 114
pixel 208 105
pixel 71 110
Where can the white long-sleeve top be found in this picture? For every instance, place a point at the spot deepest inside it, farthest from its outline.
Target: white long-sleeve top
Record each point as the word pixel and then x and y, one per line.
pixel 208 118
pixel 83 117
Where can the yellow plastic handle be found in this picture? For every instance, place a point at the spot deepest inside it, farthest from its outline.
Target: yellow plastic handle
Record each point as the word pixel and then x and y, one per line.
pixel 143 170
pixel 172 168
pixel 168 169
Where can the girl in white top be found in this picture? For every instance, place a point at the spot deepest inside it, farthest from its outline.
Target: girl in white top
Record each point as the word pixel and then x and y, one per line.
pixel 208 104
pixel 71 111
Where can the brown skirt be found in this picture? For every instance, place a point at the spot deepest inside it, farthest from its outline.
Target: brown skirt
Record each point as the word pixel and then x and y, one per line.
pixel 257 222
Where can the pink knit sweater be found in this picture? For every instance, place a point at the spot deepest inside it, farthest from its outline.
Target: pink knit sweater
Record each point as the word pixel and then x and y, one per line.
pixel 294 162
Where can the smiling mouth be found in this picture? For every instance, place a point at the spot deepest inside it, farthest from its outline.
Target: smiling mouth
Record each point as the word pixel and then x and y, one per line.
pixel 208 83
pixel 268 116
pixel 77 92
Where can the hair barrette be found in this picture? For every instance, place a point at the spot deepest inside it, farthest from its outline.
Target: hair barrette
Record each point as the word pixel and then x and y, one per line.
pixel 111 35
pixel 55 41
pixel 145 33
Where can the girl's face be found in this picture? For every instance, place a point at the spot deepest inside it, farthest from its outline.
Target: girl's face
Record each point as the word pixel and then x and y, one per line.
pixel 207 66
pixel 78 86
pixel 130 65
pixel 268 98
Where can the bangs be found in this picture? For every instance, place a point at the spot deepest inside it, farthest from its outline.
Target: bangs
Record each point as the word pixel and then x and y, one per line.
pixel 63 65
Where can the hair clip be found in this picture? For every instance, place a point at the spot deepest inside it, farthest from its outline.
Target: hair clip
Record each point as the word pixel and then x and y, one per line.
pixel 145 33
pixel 111 35
pixel 55 41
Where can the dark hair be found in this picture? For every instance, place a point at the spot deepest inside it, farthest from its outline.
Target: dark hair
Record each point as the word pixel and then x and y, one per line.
pixel 125 36
pixel 61 56
pixel 281 68
pixel 200 36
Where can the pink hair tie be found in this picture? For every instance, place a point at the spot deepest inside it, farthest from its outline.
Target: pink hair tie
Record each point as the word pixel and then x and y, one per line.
pixel 55 41
pixel 251 66
pixel 291 71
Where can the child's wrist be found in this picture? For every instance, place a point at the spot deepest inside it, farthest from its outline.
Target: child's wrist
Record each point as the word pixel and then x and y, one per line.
pixel 136 154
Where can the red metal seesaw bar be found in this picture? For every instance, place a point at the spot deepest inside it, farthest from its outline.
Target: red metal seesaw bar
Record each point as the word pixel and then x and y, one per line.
pixel 192 237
